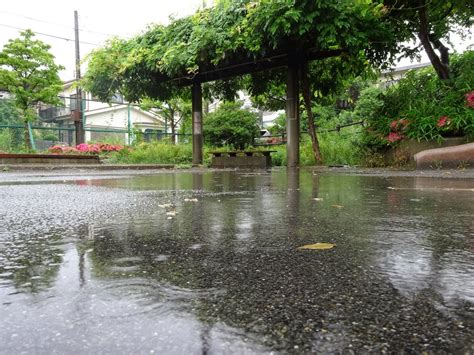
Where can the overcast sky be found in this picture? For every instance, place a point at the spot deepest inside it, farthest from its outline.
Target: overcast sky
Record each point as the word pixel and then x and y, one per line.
pixel 98 21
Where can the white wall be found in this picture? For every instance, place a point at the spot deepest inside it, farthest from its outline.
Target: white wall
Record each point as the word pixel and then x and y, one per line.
pixel 117 118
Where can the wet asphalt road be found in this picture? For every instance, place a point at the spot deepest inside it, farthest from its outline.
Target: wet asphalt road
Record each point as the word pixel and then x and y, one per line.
pixel 208 262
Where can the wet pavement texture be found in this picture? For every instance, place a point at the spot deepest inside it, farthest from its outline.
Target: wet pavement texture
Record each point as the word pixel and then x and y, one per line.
pixel 208 262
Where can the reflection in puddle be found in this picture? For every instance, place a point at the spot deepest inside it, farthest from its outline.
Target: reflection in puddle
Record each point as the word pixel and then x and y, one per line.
pixel 100 267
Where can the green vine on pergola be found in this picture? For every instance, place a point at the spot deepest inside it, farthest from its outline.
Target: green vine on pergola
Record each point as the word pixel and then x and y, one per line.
pixel 236 38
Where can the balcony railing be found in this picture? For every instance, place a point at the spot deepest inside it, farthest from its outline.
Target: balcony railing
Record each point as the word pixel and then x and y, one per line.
pixel 54 112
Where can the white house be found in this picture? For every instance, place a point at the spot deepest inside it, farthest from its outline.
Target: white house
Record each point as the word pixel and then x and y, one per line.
pixel 392 76
pixel 102 121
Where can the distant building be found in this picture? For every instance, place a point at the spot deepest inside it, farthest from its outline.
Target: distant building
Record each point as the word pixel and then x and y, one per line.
pixel 102 121
pixel 392 76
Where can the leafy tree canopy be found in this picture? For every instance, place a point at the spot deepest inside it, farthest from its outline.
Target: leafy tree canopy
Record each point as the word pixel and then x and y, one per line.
pixel 430 22
pixel 28 72
pixel 236 32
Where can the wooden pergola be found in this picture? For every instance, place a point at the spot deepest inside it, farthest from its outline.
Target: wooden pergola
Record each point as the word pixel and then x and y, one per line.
pixel 289 59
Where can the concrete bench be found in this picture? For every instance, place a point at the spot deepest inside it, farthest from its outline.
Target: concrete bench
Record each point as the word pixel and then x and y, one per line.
pixel 242 159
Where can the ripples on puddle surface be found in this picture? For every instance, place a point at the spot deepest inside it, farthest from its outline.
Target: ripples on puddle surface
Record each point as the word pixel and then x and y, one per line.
pixel 138 265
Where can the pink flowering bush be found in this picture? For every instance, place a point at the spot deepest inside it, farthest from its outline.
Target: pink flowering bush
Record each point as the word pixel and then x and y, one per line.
pixel 394 137
pixel 84 148
pixel 397 127
pixel 420 106
pixel 99 148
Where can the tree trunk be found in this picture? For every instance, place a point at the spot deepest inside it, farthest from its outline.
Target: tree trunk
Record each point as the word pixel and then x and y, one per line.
pixel 443 50
pixel 307 103
pixel 172 124
pixel 27 136
pixel 173 131
pixel 441 68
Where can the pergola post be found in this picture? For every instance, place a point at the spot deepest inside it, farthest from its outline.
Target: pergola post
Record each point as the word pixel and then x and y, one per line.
pixel 197 123
pixel 292 117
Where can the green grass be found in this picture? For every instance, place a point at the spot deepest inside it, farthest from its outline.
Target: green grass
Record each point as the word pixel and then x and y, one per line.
pixel 337 148
pixel 5 140
pixel 154 153
pixel 341 147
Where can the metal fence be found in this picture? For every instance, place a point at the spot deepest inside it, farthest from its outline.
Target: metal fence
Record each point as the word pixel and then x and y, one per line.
pixel 55 125
pixel 44 136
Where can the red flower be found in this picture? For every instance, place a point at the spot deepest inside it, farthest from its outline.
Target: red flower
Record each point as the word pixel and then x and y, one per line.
pixel 394 125
pixel 443 121
pixel 393 137
pixel 470 99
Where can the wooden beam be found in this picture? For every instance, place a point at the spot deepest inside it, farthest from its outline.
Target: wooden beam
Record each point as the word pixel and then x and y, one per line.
pixel 236 68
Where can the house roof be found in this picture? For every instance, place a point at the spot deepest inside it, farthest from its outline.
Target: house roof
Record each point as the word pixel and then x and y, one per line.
pixel 121 108
pixel 68 83
pixel 405 68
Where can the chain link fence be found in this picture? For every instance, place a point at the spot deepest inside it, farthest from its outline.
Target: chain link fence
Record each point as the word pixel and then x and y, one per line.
pixel 116 124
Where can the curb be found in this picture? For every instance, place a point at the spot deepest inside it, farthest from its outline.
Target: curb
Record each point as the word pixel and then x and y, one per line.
pixel 102 167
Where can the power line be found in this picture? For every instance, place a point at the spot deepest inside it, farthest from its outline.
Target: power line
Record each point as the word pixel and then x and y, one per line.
pixel 55 23
pixel 49 35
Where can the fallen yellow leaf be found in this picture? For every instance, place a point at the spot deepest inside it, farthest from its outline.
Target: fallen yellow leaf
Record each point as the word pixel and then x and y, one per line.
pixel 317 246
pixel 337 206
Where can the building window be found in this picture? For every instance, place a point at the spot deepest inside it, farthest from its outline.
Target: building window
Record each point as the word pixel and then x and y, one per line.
pixel 73 102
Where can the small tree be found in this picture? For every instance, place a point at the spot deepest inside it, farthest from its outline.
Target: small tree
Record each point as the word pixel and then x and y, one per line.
pixel 28 72
pixel 232 125
pixel 174 111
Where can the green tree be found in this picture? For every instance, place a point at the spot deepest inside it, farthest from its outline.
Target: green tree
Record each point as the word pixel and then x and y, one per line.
pixel 174 111
pixel 231 125
pixel 28 72
pixel 431 22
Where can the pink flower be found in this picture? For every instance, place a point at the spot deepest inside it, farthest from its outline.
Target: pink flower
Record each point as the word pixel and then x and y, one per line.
pixel 470 99
pixel 443 121
pixel 83 147
pixel 393 137
pixel 394 125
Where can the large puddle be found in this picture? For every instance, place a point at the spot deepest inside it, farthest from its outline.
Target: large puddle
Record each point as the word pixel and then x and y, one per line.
pixel 194 262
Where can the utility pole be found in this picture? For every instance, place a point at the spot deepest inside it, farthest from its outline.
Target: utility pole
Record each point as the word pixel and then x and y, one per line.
pixel 78 112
